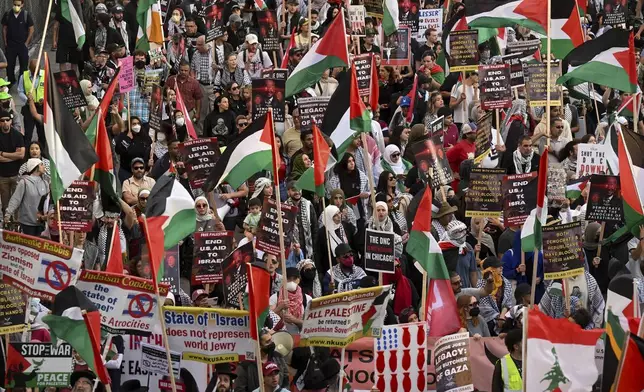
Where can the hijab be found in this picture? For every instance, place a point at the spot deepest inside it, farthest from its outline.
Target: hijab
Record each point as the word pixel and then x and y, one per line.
pixel 518 112
pixel 331 227
pixel 381 225
pixel 399 167
pixel 260 184
pixel 207 215
pixel 486 239
pixel 298 167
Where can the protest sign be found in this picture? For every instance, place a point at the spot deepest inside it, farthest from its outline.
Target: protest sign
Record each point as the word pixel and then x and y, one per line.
pixel 38 365
pixel 12 310
pixel 209 335
pixel 429 19
pixel 536 79
pixel 523 48
pixel 362 63
pixel 156 106
pixel 76 206
pixel 268 93
pixel 484 197
pixel 436 130
pixel 69 88
pixel 483 140
pixel 337 320
pixel 396 48
pixel 605 203
pixel 452 362
pixel 126 74
pixel 215 25
pixel 394 344
pixel 379 251
pixel 374 8
pixel 156 54
pixel 591 159
pixel 38 267
pixel 516 69
pixel 311 109
pixel 563 256
pixel 519 197
pixel 495 87
pixel 408 14
pixel 128 304
pixel 357 13
pixel 199 156
pixel 275 73
pixel 171 269
pixel 464 53
pixel 268 238
pixel 430 156
pixel 211 248
pixel 155 360
pixel 234 272
pixel 268 31
pixel 150 78
pixel 614 12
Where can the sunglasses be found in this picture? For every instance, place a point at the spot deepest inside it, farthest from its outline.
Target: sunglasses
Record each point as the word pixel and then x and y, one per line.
pixel 201 205
pixel 474 305
pixel 235 88
pixel 395 155
pixel 138 168
pixel 391 178
pixel 242 124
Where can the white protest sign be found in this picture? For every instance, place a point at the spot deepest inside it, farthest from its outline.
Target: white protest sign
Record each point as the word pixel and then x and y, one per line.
pixel 592 159
pixel 154 360
pixel 429 18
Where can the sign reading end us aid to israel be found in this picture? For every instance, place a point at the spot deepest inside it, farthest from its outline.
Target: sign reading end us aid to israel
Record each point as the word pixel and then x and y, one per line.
pixel 339 319
pixel 209 335
pixel 128 304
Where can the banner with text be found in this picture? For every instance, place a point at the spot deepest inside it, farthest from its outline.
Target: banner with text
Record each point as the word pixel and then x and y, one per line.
pixel 591 159
pixel 484 197
pixel 155 360
pixel 311 109
pixel 38 365
pixel 268 238
pixel 452 362
pixel 199 157
pixel 12 310
pixel 563 256
pixel 76 206
pixel 519 197
pixel 379 251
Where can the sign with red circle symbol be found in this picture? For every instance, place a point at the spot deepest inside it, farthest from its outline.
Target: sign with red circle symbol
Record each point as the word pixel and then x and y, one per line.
pixel 141 305
pixel 58 275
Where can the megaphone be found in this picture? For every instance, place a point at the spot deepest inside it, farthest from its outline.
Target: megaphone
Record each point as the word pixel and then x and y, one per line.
pixel 284 344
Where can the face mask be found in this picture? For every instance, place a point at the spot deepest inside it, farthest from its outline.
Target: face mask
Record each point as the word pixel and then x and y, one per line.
pixel 291 286
pixel 180 121
pixel 161 137
pixel 269 348
pixel 460 241
pixel 347 261
pixel 16 9
pixel 566 100
pixel 136 128
pixel 140 64
pixel 474 312
pixel 176 18
pixel 308 274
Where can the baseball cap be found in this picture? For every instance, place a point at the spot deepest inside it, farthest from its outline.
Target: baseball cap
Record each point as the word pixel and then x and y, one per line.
pixel 101 8
pixel 3 82
pixel 32 163
pixel 293 51
pixel 251 39
pixel 137 160
pixel 117 8
pixel 198 293
pixel 270 368
pixel 405 101
pixel 342 250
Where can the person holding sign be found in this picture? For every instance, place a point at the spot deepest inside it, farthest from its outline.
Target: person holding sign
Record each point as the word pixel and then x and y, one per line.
pixel 292 309
pixel 380 221
pixel 346 275
pixel 524 159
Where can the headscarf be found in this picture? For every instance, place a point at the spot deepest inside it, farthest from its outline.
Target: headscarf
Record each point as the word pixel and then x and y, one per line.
pixel 298 167
pixel 316 290
pixel 455 233
pixel 397 168
pixel 331 227
pixel 260 184
pixel 207 215
pixel 498 279
pixel 86 87
pixel 518 111
pixel 381 225
pixel 486 239
pixel 591 236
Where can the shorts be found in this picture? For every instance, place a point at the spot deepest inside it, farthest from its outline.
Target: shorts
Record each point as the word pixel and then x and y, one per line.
pixel 68 55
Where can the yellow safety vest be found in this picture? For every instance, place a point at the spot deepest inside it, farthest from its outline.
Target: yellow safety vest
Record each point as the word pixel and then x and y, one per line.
pixel 512 381
pixel 40 91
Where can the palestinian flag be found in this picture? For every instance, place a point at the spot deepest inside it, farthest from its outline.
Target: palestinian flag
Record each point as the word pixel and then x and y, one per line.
pixel 629 106
pixel 360 121
pixel 630 376
pixel 565 28
pixel 148 16
pixel 76 320
pixel 608 60
pixel 104 171
pixel 291 45
pixel 248 154
pixel 186 115
pixel 104 108
pixel 268 136
pixel 336 120
pixel 532 14
pixel 412 96
pixel 72 11
pixel 70 153
pixel 631 161
pixel 619 299
pixel 615 337
pixel 313 178
pixel 531 231
pixel 575 187
pixel 328 52
pixel 390 19
pixel 259 285
pixel 560 355
pixel 115 257
pixel 455 23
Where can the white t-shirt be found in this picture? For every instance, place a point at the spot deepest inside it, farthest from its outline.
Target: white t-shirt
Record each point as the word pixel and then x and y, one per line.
pixel 461 114
pixel 634 265
pixel 491 160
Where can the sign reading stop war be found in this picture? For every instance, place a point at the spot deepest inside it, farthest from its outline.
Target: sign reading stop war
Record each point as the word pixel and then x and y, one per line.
pixel 484 197
pixel 76 203
pixel 199 157
pixel 311 109
pixel 464 53
pixel 211 248
pixel 268 239
pixel 363 73
pixel 563 256
pixel 496 90
pixel 519 197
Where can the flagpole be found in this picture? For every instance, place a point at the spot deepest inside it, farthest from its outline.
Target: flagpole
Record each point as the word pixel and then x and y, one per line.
pixel 160 301
pixel 106 350
pixel 524 349
pixel 278 199
pixel 636 300
pixel 601 238
pixel 42 45
pixel 341 369
pixel 372 189
pixel 423 299
pixel 109 254
pixel 328 244
pixel 60 224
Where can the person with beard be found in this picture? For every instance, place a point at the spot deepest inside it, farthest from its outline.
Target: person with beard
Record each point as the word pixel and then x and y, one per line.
pixel 247 378
pixel 103 35
pixel 191 35
pixel 220 123
pixel 524 159
pixel 116 52
pixel 463 150
pixel 224 380
pixel 135 143
pixel 138 100
pixel 190 90
pixel 138 181
pixel 306 221
pixel 118 24
pixel 172 157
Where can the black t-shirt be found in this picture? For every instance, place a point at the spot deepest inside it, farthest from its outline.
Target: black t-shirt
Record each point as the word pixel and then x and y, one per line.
pixel 17 26
pixel 9 142
pixel 130 148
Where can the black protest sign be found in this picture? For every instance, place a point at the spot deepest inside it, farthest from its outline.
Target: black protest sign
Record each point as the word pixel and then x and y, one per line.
pixel 12 310
pixel 379 251
pixel 156 106
pixel 275 73
pixel 268 30
pixel 523 48
pixel 432 163
pixel 605 202
pixel 268 238
pixel 614 12
pixel 563 256
pixel 76 204
pixel 495 87
pixel 484 197
pixel 214 21
pixel 483 137
pixel 408 14
pixel 396 49
pixel 311 109
pixel 374 8
pixel 516 69
pixel 464 51
pixel 268 93
pixel 536 83
pixel 437 130
pixel 234 274
pixel 199 157
pixel 452 363
pixel 211 248
pixel 363 73
pixel 69 88
pixel 171 269
pixel 519 197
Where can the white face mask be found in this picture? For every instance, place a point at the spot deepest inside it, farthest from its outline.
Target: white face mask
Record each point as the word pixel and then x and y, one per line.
pixel 180 121
pixel 136 128
pixel 291 286
pixel 176 18
pixel 161 137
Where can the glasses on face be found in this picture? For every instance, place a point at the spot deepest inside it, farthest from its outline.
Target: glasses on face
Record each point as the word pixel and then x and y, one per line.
pixel 201 206
pixel 138 168
pixel 233 88
pixel 395 155
pixel 242 124
pixel 391 178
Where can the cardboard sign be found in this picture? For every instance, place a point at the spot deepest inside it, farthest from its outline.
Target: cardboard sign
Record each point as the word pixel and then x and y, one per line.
pixel 76 206
pixel 452 362
pixel 211 248
pixel 483 140
pixel 495 87
pixel 379 251
pixel 234 272
pixel 269 35
pixel 38 267
pixel 357 13
pixel 156 106
pixel 519 197
pixel 171 269
pixel 605 203
pixel 408 14
pixel 536 87
pixel 126 74
pixel 563 256
pixel 395 343
pixel 363 63
pixel 268 239
pixel 464 51
pixel 12 310
pixel 516 69
pixel 432 18
pixel 592 159
pixel 155 360
pixel 484 197
pixel 69 88
pixel 128 304
pixel 396 48
pixel 36 365
pixel 199 156
pixel 268 93
pixel 432 156
pixel 337 320
pixel 311 109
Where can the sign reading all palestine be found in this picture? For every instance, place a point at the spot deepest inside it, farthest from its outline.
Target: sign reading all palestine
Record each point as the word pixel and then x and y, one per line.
pixel 464 52
pixel 484 197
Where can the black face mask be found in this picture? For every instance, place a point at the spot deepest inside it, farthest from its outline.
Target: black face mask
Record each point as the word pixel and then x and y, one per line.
pixel 6 105
pixel 269 349
pixel 308 274
pixel 566 100
pixel 139 64
pixel 474 312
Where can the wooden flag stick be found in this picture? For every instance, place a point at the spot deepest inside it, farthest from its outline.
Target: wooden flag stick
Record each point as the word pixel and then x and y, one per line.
pixel 535 263
pixel 42 45
pixel 328 239
pixel 423 299
pixel 278 200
